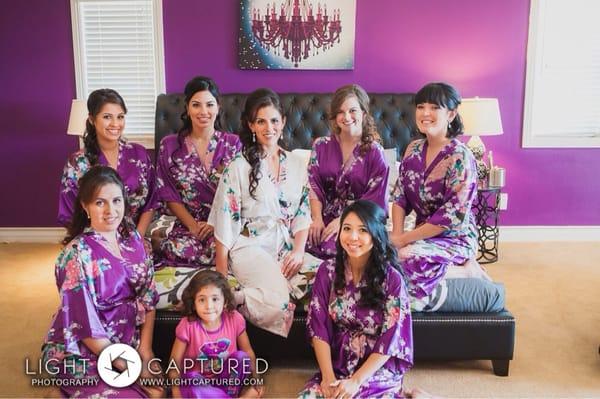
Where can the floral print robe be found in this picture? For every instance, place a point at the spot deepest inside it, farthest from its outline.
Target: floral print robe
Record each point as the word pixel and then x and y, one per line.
pixel 184 178
pixel 337 185
pixel 133 166
pixel 259 234
pixel 102 296
pixel 353 332
pixel 440 194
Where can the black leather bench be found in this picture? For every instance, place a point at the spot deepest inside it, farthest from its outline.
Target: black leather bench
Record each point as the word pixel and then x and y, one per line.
pixel 437 336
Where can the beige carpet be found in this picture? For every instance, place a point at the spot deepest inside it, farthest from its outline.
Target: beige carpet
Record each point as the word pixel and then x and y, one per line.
pixel 553 289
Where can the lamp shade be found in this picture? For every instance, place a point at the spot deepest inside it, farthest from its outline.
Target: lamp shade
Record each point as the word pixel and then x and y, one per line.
pixel 481 116
pixel 77 117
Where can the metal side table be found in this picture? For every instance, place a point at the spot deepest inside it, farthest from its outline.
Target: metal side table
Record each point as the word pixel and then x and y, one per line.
pixel 486 209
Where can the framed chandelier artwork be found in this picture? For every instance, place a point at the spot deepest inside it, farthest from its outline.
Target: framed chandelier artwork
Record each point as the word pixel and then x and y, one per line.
pixel 297 34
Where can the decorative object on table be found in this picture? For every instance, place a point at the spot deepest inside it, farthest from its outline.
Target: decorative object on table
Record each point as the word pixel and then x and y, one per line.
pixel 297 34
pixel 481 117
pixel 77 118
pixel 497 177
pixel 486 209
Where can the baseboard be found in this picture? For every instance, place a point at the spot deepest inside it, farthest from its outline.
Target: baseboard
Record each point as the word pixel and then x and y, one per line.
pixel 549 233
pixel 51 235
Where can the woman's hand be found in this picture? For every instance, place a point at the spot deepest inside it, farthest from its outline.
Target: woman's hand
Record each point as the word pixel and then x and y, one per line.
pixel 345 388
pixel 146 353
pixel 205 230
pixel 326 389
pixel 331 229
pixel 315 231
pixel 194 228
pixel 150 370
pixel 200 229
pixel 292 263
pixel 399 240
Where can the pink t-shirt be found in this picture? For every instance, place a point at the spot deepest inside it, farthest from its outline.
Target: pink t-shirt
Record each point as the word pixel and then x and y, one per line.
pixel 218 344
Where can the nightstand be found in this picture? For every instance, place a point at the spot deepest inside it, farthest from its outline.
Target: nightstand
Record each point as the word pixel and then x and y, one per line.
pixel 486 208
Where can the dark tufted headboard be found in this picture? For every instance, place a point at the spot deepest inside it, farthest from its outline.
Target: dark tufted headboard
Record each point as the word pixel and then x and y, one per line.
pixel 306 115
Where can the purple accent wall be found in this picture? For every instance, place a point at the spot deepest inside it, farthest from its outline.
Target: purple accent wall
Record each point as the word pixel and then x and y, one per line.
pixel 37 84
pixel 480 47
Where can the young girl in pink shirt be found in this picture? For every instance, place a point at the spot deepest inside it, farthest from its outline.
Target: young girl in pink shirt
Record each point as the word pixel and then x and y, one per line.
pixel 211 348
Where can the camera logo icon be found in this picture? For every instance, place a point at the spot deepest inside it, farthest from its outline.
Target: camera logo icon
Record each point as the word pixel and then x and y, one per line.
pixel 119 355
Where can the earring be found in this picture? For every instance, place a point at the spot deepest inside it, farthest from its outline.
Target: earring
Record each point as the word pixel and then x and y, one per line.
pixel 253 137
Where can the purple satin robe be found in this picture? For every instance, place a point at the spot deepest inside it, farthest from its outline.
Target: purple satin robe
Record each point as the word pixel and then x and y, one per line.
pixel 183 178
pixel 102 296
pixel 440 194
pixel 353 332
pixel 337 185
pixel 133 166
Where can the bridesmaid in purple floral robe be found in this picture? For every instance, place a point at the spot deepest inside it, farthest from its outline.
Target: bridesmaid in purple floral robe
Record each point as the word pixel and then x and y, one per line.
pixel 190 165
pixel 135 168
pixel 347 166
pixel 105 282
pixel 359 319
pixel 438 180
pixel 104 146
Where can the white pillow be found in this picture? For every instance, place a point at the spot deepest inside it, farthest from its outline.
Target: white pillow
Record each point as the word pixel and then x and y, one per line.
pixel 390 159
pixel 303 154
pixel 409 220
pixel 394 165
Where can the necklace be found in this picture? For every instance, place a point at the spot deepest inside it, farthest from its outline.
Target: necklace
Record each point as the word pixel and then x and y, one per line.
pixel 111 153
pixel 111 244
pixel 203 149
pixel 273 162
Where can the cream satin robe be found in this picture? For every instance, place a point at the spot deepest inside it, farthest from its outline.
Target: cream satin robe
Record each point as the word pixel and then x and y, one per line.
pixel 259 234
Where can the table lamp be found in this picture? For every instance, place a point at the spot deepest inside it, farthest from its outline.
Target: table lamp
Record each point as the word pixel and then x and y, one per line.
pixel 77 118
pixel 481 117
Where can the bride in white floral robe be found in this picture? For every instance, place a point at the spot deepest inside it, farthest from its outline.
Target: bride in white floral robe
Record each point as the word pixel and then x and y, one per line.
pixel 259 234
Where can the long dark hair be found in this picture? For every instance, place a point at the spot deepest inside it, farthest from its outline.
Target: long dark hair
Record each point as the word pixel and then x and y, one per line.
pixel 369 128
pixel 97 177
pixel 446 96
pixel 251 149
pixel 96 100
pixel 200 280
pixel 196 84
pixel 383 254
